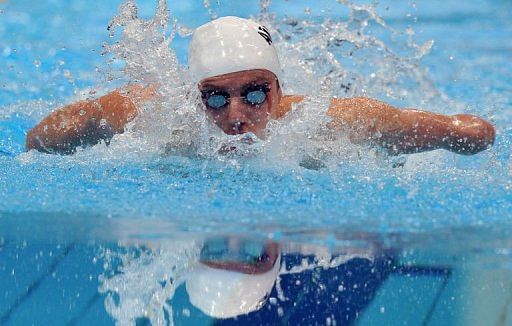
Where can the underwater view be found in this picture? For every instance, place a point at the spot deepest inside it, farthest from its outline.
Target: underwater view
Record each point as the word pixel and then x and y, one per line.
pixel 172 220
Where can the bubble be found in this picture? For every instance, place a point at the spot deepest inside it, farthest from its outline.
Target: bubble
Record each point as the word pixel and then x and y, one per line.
pixel 6 51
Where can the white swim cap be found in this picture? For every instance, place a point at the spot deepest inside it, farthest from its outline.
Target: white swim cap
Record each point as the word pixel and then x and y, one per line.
pixel 222 293
pixel 231 44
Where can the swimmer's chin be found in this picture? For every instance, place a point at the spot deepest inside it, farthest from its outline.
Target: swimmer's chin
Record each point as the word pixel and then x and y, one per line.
pixel 235 132
pixel 259 134
pixel 235 144
pixel 226 149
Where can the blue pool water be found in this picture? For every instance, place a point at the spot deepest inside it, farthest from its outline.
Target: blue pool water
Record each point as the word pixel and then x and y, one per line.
pixel 435 225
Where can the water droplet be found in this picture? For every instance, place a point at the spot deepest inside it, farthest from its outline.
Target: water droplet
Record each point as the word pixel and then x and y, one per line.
pixel 280 312
pixel 7 51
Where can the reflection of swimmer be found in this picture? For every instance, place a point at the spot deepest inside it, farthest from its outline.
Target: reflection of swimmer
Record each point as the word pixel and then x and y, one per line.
pixel 233 277
pixel 237 70
pixel 244 281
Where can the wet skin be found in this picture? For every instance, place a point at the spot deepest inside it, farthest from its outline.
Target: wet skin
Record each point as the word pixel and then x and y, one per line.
pixel 238 116
pixel 363 119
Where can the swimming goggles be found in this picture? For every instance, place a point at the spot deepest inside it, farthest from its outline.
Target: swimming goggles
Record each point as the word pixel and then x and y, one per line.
pixel 241 255
pixel 253 95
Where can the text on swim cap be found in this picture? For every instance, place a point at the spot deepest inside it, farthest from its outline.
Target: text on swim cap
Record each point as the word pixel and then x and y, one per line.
pixel 263 31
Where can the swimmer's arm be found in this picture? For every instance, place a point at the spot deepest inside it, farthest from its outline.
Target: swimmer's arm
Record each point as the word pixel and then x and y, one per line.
pixel 410 131
pixel 87 122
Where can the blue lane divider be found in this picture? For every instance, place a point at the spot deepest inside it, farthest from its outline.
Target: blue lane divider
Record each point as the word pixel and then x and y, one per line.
pixel 4 318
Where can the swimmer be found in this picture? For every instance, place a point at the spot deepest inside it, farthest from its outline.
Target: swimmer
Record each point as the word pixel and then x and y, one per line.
pixel 238 73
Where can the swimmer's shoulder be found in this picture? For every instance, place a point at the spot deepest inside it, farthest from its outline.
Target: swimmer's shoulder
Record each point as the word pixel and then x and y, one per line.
pixel 337 104
pixel 286 104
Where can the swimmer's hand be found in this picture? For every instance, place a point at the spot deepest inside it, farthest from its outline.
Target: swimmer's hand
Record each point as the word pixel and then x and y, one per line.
pixel 410 131
pixel 88 122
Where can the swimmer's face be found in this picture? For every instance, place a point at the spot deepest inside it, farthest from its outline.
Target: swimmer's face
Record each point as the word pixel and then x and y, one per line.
pixel 242 101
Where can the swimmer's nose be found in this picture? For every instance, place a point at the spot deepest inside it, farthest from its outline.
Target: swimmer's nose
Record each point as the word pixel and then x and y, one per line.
pixel 237 118
pixel 236 110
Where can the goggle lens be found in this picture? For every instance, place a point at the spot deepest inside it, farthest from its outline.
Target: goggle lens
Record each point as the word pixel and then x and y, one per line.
pixel 217 101
pixel 256 97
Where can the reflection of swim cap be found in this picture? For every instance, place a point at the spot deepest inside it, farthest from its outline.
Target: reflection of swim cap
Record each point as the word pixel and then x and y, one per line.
pixel 231 44
pixel 225 294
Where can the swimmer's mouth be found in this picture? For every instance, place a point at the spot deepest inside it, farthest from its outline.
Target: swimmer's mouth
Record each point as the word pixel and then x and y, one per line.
pixel 237 129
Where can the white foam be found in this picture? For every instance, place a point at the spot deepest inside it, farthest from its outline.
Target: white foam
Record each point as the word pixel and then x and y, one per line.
pixel 145 280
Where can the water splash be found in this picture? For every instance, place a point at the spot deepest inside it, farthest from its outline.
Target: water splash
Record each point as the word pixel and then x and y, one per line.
pixel 141 279
pixel 314 53
pixel 320 60
pixel 173 128
pixel 346 59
